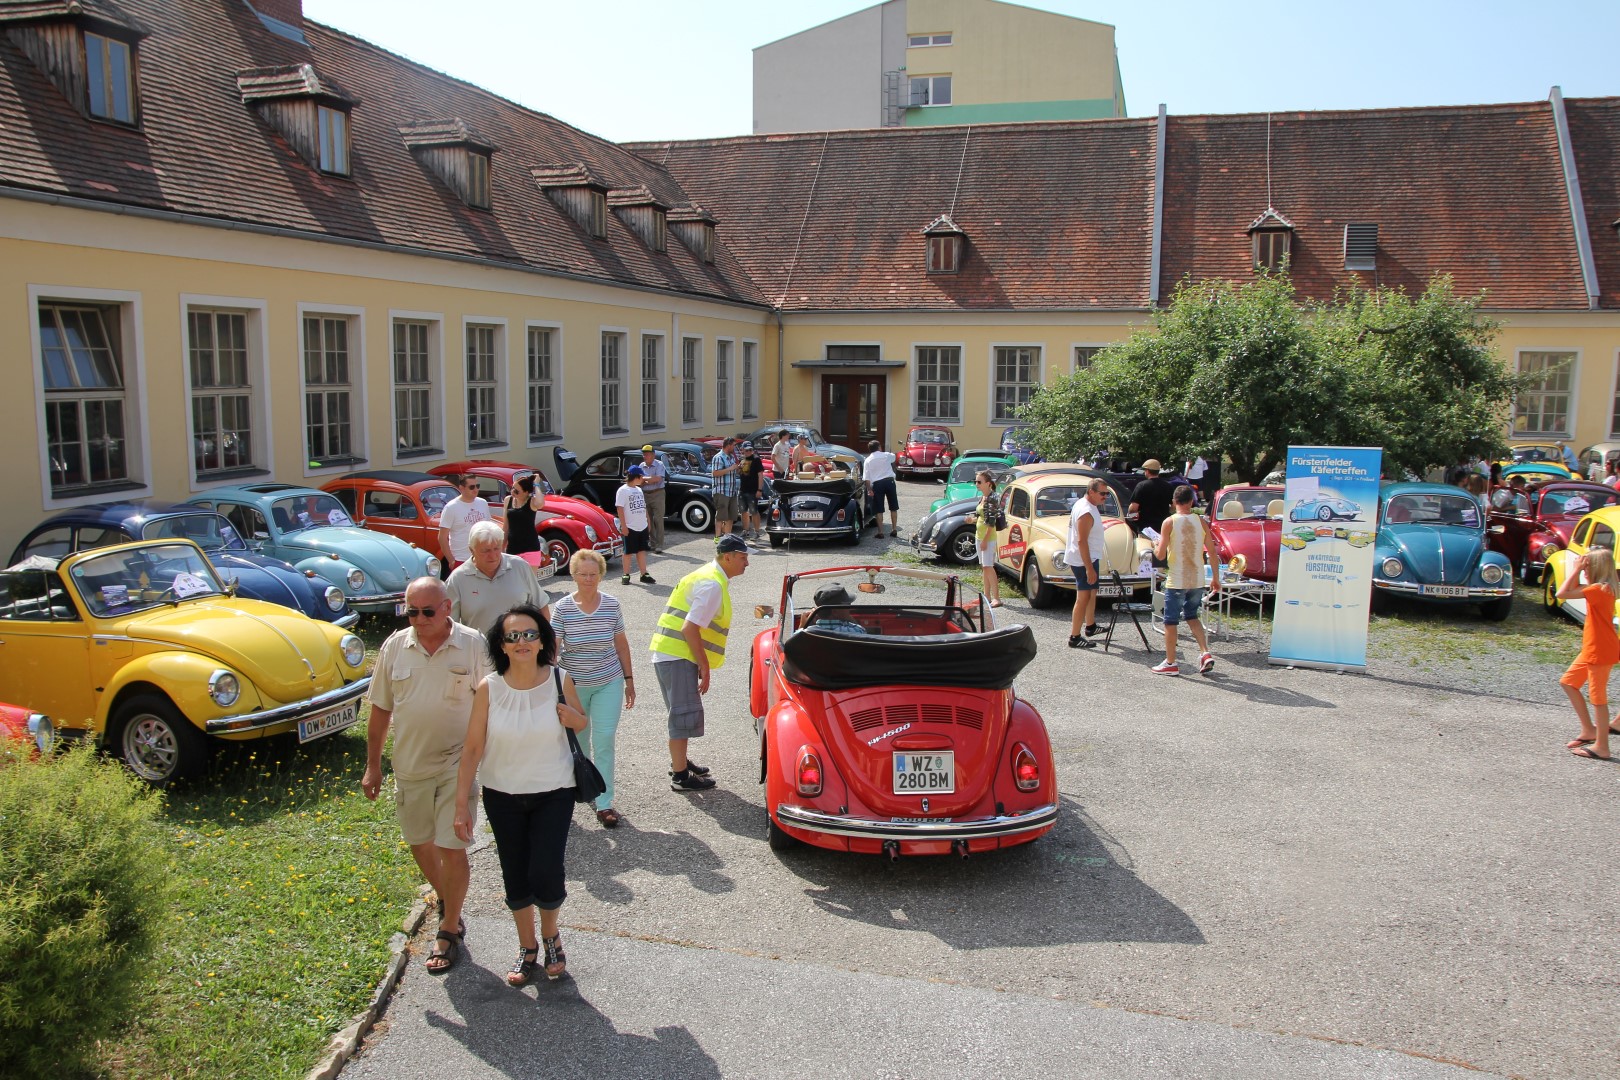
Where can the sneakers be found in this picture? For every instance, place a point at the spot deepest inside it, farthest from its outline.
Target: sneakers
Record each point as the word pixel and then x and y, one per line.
pixel 686 780
pixel 625 580
pixel 1166 667
pixel 694 767
pixel 648 579
pixel 1090 630
pixel 1206 663
pixel 1080 641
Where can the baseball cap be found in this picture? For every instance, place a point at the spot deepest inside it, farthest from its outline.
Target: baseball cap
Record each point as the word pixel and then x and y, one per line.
pixel 635 470
pixel 730 542
pixel 647 449
pixel 1152 465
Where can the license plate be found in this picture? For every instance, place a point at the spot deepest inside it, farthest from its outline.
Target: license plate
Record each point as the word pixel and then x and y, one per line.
pixel 326 723
pixel 399 610
pixel 1445 590
pixel 1113 590
pixel 928 773
pixel 806 515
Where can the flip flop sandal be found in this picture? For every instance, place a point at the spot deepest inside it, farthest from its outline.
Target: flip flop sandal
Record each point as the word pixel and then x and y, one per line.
pixel 1588 753
pixel 446 959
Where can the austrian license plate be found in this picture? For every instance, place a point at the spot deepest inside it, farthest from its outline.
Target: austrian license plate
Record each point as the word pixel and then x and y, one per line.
pixel 932 772
pixel 1445 590
pixel 326 723
pixel 806 515
pixel 1115 591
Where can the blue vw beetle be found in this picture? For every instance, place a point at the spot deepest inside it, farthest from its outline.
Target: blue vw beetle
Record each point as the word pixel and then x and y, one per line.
pixel 256 576
pixel 1324 508
pixel 1431 546
pixel 310 529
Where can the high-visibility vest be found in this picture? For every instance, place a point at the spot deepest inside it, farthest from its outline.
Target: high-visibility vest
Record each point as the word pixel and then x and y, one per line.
pixel 667 638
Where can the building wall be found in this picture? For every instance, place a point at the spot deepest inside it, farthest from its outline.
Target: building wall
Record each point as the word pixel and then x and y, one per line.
pixel 829 76
pixel 1594 340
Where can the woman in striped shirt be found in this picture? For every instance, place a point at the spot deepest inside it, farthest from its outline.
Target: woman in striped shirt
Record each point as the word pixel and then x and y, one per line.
pixel 593 650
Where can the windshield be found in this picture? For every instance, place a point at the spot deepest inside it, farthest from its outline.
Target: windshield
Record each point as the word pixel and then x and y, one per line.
pixel 135 579
pixel 1060 499
pixel 1432 510
pixel 964 472
pixel 931 436
pixel 1537 453
pixel 309 511
pixel 1577 502
pixel 1252 502
pixel 684 461
pixel 435 499
pixel 1020 438
pixel 211 532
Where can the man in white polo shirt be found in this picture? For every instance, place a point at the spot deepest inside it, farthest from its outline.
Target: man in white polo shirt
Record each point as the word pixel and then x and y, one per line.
pixel 458 517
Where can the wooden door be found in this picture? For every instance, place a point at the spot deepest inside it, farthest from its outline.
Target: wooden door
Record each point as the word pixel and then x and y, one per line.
pixel 852 409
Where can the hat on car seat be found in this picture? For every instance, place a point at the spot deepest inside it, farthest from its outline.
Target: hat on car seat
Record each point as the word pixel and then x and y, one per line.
pixel 833 596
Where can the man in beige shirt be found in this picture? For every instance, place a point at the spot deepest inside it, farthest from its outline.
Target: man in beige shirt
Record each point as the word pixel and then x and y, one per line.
pixel 423 684
pixel 491 583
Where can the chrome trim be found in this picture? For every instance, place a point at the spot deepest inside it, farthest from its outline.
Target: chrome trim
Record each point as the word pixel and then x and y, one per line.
pixel 1410 588
pixel 806 530
pixel 223 725
pixel 348 620
pixel 800 817
pixel 377 598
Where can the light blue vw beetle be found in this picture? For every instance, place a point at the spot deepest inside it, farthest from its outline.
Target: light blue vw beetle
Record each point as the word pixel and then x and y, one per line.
pixel 1431 546
pixel 1324 508
pixel 311 530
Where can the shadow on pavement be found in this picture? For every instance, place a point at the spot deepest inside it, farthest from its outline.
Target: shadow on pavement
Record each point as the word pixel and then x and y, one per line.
pixel 597 857
pixel 499 1026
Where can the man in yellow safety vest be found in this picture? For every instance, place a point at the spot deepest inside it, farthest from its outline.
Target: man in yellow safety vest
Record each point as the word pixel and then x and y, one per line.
pixel 690 642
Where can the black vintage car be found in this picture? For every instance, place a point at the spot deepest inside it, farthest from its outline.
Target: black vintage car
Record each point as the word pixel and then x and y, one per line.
pixel 830 506
pixel 690 495
pixel 948 534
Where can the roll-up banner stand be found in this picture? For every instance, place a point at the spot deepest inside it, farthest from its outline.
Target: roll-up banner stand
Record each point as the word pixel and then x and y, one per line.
pixel 1324 571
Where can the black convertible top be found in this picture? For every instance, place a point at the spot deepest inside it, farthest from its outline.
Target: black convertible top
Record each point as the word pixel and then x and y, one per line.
pixel 829 660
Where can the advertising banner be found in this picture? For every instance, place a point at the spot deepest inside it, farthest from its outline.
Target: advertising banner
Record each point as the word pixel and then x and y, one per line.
pixel 1324 570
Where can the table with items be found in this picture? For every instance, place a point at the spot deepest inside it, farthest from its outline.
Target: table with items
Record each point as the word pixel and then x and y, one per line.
pixel 1236 590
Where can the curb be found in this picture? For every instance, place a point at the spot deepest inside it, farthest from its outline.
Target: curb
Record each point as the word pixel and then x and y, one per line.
pixel 346 1042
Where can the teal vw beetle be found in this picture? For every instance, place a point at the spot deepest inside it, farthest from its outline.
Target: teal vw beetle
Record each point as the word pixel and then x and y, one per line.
pixel 960 483
pixel 1431 546
pixel 311 529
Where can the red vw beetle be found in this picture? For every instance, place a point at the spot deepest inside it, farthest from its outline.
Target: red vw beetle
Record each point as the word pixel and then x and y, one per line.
pixel 1529 526
pixel 1247 521
pixel 565 526
pixel 927 451
pixel 892 727
pixel 22 726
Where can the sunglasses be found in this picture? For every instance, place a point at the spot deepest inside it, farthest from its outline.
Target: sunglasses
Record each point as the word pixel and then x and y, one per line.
pixel 512 637
pixel 421 612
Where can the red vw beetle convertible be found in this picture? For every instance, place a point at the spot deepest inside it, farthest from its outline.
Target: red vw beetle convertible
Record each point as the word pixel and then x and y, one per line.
pixel 1247 521
pixel 889 724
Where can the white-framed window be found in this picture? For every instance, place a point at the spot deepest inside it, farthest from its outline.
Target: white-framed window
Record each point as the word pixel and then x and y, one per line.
pixel 1015 372
pixel 937 384
pixel 486 364
pixel 89 400
pixel 1084 355
pixel 691 379
pixel 543 392
pixel 1271 248
pixel 224 378
pixel 417 382
pixel 613 382
pixel 110 77
pixel 333 385
pixel 722 381
pixel 923 41
pixel 334 136
pixel 1614 415
pixel 928 91
pixel 750 380
pixel 652 382
pixel 1546 407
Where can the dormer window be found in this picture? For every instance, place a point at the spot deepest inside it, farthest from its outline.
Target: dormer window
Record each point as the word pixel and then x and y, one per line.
pixel 576 191
pixel 695 226
pixel 944 241
pixel 310 113
pixel 454 153
pixel 1272 236
pixel 645 215
pixel 334 123
pixel 110 69
pixel 88 54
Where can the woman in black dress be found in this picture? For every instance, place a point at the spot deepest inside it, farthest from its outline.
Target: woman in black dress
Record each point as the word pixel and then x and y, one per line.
pixel 521 503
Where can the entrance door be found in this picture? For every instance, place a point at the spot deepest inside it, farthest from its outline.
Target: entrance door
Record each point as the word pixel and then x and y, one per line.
pixel 852 409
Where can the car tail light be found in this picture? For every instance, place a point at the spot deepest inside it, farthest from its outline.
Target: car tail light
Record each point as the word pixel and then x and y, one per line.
pixel 776 513
pixel 809 773
pixel 1026 771
pixel 840 515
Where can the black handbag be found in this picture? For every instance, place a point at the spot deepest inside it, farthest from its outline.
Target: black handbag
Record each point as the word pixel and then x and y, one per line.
pixel 588 782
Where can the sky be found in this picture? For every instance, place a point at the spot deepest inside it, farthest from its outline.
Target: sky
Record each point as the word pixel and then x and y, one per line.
pixel 666 69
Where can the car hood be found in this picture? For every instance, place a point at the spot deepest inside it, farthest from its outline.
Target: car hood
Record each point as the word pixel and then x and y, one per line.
pixel 1434 554
pixel 1258 540
pixel 389 561
pixel 286 656
pixel 260 577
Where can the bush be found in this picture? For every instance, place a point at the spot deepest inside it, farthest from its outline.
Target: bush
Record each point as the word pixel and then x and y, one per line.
pixel 80 904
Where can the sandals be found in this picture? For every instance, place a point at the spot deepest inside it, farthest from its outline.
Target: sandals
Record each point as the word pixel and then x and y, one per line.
pixel 523 968
pixel 447 959
pixel 461 923
pixel 556 959
pixel 609 818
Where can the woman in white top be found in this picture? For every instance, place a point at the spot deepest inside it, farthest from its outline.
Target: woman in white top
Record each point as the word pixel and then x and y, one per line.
pixel 516 733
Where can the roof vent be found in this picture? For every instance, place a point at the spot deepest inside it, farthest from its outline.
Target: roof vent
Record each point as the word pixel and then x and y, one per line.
pixel 1361 245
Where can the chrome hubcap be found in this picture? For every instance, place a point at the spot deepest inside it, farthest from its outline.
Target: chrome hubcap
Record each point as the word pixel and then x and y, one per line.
pixel 150 747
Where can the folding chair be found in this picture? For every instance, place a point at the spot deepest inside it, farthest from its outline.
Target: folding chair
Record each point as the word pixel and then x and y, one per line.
pixel 1130 607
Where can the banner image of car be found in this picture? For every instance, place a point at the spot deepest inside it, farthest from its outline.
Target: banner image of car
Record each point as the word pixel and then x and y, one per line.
pixel 1323 569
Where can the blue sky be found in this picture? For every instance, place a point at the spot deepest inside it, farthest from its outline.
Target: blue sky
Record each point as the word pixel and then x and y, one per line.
pixel 657 69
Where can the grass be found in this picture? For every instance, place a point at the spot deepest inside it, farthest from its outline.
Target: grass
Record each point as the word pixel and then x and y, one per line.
pixel 287 885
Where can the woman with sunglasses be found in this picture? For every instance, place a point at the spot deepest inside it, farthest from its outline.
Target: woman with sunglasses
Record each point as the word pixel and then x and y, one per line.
pixel 987 520
pixel 516 734
pixel 522 503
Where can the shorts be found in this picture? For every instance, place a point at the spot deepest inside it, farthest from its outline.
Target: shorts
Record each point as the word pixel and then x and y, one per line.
pixel 426 810
pixel 987 551
pixel 1595 676
pixel 1182 605
pixel 678 679
pixel 637 540
pixel 1080 583
pixel 884 491
pixel 725 508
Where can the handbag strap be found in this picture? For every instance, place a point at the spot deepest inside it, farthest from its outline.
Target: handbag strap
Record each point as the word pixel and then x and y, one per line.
pixel 573 740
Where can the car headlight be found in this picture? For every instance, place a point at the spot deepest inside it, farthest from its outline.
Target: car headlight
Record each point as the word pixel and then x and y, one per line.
pixel 224 688
pixel 334 598
pixel 903 459
pixel 590 533
pixel 356 578
pixel 1392 567
pixel 1060 560
pixel 354 650
pixel 432 567
pixel 1491 574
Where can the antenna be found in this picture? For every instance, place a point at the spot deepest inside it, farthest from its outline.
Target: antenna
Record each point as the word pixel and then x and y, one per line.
pixel 960 166
pixel 1269 204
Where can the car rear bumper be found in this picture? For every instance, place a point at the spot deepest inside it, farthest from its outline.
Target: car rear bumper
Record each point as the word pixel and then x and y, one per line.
pixel 298 710
pixel 809 530
pixel 799 817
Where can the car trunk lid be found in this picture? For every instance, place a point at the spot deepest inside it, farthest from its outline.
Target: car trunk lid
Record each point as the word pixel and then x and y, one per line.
pixel 867 728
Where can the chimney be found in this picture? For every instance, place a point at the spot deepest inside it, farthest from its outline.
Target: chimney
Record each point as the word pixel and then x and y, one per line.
pixel 284 17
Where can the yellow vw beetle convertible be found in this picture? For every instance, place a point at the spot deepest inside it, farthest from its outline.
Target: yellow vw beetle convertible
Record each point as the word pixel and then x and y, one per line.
pixel 141 647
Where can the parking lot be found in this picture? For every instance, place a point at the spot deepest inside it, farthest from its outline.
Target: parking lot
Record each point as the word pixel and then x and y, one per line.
pixel 1390 860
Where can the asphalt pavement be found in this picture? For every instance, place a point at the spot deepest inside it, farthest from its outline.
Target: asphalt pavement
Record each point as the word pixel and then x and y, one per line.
pixel 1265 872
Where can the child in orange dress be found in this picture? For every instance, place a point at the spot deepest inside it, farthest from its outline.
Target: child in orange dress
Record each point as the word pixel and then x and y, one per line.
pixel 1600 650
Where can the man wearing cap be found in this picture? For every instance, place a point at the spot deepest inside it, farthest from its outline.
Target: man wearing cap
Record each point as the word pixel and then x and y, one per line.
pixel 1150 500
pixel 727 486
pixel 654 485
pixel 631 507
pixel 689 643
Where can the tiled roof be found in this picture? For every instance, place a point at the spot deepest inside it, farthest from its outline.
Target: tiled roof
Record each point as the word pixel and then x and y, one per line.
pixel 104 11
pixel 201 151
pixel 1476 192
pixel 1057 216
pixel 1594 129
pixel 287 80
pixel 452 132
